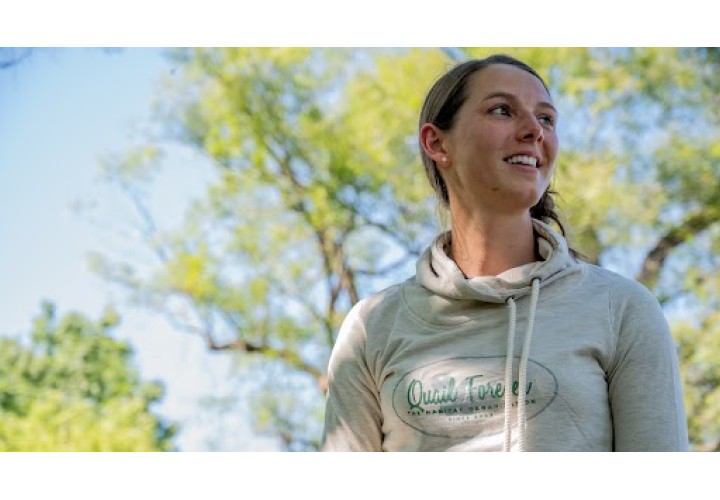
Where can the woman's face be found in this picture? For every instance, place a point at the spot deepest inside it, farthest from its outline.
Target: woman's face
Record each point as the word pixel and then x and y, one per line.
pixel 500 152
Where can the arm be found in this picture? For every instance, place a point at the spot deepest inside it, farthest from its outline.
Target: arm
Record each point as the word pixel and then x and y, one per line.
pixel 353 418
pixel 644 380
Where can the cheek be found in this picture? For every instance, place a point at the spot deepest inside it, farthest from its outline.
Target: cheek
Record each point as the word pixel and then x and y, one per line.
pixel 551 146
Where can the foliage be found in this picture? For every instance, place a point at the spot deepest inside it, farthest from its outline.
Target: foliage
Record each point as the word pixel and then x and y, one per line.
pixel 71 387
pixel 320 198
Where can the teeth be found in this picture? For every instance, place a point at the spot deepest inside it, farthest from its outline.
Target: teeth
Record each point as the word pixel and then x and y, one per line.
pixel 525 160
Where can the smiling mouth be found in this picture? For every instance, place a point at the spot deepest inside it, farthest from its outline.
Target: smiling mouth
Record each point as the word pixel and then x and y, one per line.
pixel 529 161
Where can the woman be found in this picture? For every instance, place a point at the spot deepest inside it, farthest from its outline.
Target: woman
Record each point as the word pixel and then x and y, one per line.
pixel 503 340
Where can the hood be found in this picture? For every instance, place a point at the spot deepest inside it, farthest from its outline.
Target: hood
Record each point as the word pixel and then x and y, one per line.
pixel 439 274
pixel 445 296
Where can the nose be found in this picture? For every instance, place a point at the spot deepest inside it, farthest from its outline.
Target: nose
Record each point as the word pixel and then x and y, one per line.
pixel 530 129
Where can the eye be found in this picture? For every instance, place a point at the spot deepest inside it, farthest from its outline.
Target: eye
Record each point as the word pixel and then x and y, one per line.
pixel 547 120
pixel 502 109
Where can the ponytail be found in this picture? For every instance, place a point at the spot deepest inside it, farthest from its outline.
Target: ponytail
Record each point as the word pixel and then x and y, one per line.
pixel 544 211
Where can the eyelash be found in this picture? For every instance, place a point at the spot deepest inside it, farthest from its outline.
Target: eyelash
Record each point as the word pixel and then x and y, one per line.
pixel 550 120
pixel 503 107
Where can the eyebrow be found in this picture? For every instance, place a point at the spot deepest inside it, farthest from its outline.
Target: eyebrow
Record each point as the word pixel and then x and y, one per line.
pixel 512 97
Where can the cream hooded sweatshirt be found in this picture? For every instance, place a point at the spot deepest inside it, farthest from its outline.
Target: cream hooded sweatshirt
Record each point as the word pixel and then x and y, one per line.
pixel 557 355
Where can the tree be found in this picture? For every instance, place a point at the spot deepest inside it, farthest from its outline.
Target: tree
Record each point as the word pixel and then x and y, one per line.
pixel 320 199
pixel 70 386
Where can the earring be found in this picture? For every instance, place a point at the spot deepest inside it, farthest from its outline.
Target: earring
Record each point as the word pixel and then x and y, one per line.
pixel 444 159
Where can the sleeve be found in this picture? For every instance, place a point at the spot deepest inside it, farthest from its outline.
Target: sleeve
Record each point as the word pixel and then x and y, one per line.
pixel 644 380
pixel 353 419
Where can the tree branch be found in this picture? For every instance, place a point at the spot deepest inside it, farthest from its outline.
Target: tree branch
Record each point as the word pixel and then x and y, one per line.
pixel 387 268
pixel 286 355
pixel 674 237
pixel 411 248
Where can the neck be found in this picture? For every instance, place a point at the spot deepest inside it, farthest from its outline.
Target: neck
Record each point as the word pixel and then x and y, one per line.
pixel 488 246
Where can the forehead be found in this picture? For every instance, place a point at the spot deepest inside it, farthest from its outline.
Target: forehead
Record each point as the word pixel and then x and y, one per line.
pixel 508 79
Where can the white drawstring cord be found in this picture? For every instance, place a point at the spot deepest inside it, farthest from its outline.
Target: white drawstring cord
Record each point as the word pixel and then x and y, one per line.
pixel 522 378
pixel 522 382
pixel 507 431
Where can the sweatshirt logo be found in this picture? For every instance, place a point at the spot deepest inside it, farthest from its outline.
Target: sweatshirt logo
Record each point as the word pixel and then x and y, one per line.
pixel 465 397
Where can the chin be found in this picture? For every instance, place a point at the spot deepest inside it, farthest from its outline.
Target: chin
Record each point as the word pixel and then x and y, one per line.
pixel 530 199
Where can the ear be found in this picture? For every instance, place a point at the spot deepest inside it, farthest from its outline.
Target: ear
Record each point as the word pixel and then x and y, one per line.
pixel 432 140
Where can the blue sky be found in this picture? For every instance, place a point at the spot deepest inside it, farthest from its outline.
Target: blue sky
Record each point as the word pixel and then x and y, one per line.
pixel 61 111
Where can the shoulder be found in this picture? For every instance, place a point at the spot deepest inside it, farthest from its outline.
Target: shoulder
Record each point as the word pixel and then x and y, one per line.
pixel 364 328
pixel 633 309
pixel 378 304
pixel 382 301
pixel 621 288
pixel 377 307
